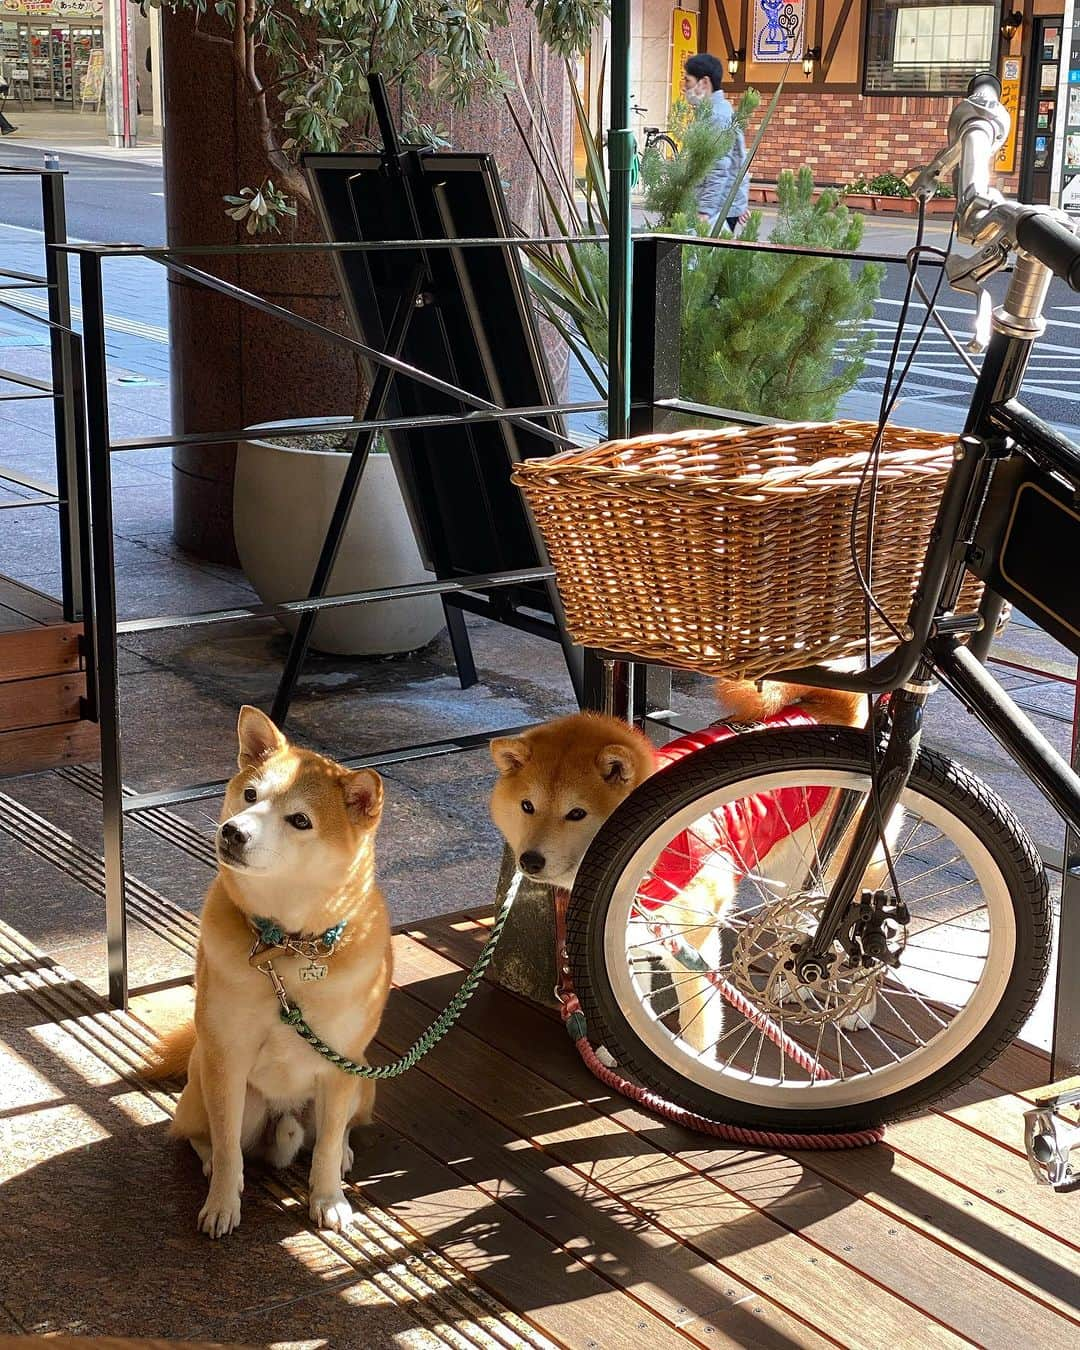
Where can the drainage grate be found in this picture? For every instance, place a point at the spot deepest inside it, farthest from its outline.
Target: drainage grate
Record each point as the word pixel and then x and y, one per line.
pixel 156 913
pixel 158 820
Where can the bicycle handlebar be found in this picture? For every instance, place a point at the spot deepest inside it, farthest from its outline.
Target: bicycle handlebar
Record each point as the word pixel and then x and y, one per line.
pixel 1053 243
pixel 978 126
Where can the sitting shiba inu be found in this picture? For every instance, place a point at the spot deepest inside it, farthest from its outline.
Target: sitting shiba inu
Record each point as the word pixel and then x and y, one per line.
pixel 559 782
pixel 295 887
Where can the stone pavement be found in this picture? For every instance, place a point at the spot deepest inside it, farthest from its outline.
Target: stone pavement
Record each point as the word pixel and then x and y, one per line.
pixel 79 133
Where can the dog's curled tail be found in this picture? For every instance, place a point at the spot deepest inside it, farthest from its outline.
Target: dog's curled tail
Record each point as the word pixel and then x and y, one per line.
pixel 745 701
pixel 169 1057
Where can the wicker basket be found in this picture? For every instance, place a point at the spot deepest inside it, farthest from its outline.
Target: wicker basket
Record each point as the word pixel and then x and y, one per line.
pixel 729 551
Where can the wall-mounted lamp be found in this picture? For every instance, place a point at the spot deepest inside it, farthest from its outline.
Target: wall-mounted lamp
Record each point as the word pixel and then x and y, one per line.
pixel 1011 25
pixel 810 58
pixel 735 60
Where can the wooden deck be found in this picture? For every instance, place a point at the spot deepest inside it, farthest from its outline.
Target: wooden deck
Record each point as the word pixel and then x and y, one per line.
pixel 604 1227
pixel 506 1200
pixel 42 680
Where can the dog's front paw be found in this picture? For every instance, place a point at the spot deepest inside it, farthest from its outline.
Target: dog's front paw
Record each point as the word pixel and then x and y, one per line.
pixel 221 1213
pixel 331 1211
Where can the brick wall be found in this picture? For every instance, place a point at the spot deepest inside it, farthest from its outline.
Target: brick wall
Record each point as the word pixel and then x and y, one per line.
pixel 847 136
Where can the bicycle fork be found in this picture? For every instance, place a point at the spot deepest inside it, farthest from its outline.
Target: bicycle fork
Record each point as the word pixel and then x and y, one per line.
pixel 815 956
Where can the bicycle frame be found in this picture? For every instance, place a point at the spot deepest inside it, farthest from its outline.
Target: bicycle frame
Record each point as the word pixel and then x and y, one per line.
pixel 999 431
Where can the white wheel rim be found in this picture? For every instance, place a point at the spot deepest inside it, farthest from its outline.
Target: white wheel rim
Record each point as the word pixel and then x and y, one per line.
pixel 856 1088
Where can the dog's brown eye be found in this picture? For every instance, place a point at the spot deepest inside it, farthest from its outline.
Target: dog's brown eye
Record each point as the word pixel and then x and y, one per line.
pixel 299 821
pixel 527 807
pixel 578 813
pixel 250 795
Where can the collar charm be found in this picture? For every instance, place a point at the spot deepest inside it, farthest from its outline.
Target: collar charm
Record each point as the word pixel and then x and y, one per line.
pixel 272 940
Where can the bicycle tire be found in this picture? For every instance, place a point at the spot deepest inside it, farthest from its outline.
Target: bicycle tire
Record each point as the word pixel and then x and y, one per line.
pixel 664 146
pixel 938 782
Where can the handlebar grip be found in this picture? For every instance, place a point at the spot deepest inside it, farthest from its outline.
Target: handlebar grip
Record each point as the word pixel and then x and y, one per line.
pixel 1053 244
pixel 978 81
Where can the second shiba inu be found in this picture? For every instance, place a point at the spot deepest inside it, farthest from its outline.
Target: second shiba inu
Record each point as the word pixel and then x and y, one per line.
pixel 296 888
pixel 559 782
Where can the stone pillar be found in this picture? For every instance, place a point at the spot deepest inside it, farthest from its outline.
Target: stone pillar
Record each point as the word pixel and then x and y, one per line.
pixel 524 960
pixel 232 366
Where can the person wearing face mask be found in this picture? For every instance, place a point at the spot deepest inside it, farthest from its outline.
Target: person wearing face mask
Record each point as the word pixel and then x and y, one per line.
pixel 701 81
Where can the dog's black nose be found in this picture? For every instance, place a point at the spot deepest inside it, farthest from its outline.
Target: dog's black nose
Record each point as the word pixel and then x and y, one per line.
pixel 233 835
pixel 532 862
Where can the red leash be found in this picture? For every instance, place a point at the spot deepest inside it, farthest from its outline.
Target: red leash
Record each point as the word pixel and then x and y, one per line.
pixel 574 1021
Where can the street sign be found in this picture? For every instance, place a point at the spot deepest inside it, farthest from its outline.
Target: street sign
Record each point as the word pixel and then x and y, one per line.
pixel 1010 97
pixel 684 44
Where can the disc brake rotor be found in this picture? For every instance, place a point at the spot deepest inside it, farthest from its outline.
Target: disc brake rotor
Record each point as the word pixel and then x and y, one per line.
pixel 762 968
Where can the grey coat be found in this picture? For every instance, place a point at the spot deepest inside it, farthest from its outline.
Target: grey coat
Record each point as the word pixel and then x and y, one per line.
pixel 715 186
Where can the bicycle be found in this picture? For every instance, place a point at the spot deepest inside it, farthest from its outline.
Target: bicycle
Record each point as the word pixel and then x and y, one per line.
pixel 897 962
pixel 657 139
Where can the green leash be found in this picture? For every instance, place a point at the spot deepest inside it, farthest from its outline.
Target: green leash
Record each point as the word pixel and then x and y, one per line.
pixel 294 1018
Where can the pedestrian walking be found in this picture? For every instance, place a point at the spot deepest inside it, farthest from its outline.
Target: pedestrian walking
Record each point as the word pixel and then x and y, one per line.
pixel 702 77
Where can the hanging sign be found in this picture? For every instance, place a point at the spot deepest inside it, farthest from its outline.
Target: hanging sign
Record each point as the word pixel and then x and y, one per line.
pixel 1010 97
pixel 88 9
pixel 778 30
pixel 684 44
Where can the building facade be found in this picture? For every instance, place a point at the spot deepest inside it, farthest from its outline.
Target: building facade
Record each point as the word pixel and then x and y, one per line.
pixel 869 84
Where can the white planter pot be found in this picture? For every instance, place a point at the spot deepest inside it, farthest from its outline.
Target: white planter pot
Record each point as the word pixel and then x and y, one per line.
pixel 282 504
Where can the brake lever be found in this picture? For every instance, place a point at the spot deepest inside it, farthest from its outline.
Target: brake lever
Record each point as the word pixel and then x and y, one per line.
pixel 969 272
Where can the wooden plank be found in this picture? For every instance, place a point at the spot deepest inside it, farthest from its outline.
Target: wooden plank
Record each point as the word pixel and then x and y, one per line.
pixel 557 1293
pixel 49 650
pixel 1014 1251
pixel 41 701
pixel 27 605
pixel 803 1278
pixel 555 1200
pixel 1019 1068
pixel 39 748
pixel 944 1284
pixel 949 1143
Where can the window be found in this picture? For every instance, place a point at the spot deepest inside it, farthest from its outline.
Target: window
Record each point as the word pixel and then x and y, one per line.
pixel 928 46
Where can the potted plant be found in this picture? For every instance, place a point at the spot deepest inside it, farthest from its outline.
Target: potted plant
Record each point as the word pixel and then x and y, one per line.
pixel 286 488
pixel 857 194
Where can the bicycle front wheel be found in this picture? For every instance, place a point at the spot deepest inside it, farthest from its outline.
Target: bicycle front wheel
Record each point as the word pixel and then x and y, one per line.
pixel 685 915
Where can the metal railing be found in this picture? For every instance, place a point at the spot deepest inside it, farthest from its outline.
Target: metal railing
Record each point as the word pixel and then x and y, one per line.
pixel 630 688
pixel 63 389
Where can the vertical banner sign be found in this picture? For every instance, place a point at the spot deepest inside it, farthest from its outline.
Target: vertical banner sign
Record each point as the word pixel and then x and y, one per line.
pixel 1070 169
pixel 778 30
pixel 94 77
pixel 1010 96
pixel 683 44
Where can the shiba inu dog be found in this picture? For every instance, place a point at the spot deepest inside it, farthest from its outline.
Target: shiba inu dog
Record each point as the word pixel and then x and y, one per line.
pixel 558 783
pixel 296 888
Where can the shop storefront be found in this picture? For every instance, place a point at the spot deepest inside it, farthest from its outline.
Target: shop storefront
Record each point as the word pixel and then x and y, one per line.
pixel 869 86
pixel 68 56
pixel 48 48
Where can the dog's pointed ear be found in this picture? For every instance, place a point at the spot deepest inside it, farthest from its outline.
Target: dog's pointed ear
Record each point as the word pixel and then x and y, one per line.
pixel 510 753
pixel 257 735
pixel 363 795
pixel 617 764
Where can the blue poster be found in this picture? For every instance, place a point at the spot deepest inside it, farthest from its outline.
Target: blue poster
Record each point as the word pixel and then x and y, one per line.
pixel 778 30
